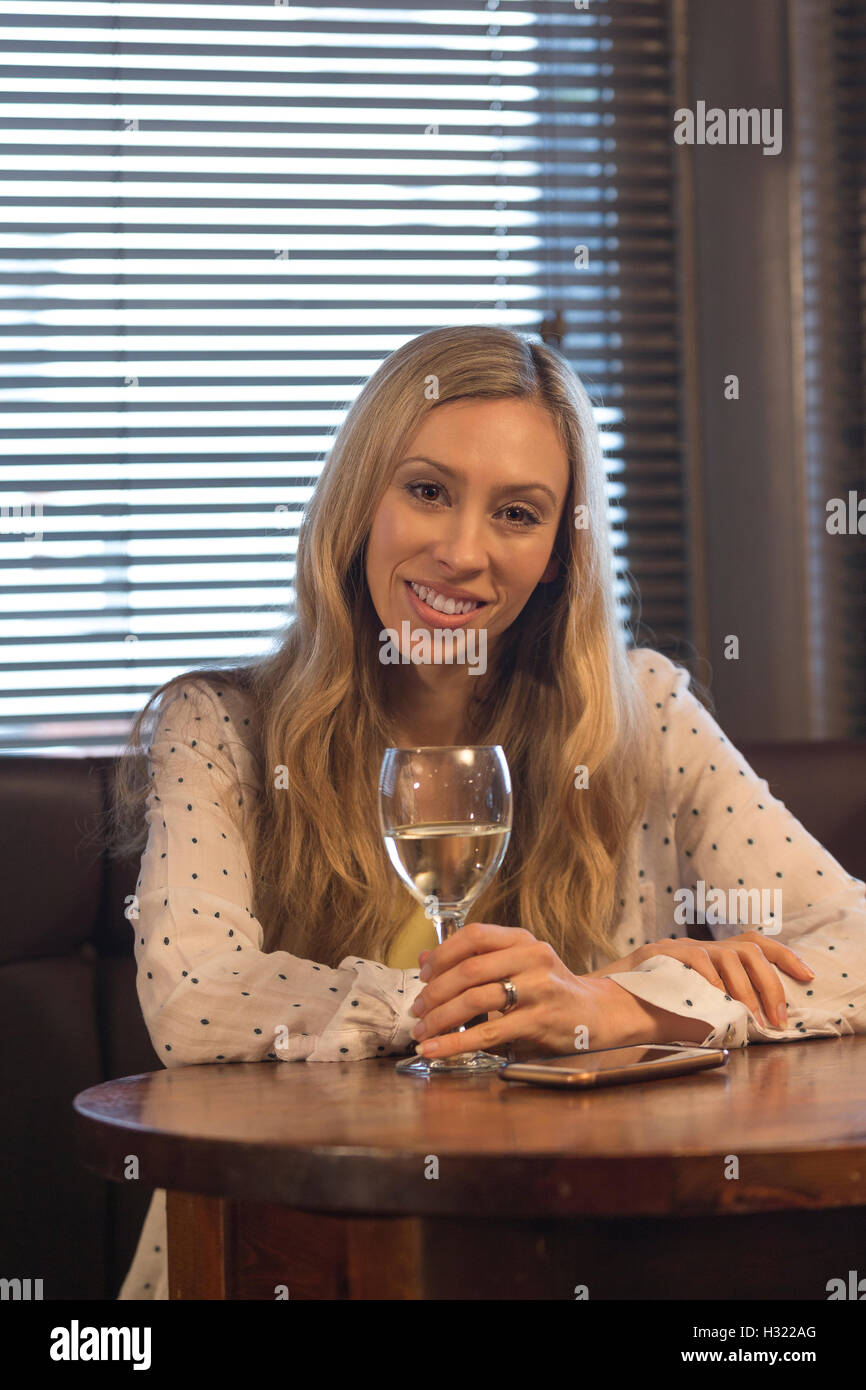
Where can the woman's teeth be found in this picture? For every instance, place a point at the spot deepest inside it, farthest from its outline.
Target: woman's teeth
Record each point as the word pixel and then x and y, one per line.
pixel 443 605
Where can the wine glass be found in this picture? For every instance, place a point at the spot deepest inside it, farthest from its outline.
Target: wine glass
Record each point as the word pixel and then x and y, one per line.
pixel 445 814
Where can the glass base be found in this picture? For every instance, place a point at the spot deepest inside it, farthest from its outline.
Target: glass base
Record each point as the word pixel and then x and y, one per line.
pixel 459 1065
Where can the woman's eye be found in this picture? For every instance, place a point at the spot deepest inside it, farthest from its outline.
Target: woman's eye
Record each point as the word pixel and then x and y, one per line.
pixel 530 518
pixel 411 487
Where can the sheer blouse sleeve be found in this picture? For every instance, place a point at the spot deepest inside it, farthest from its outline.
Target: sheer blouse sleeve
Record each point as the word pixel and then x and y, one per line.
pixel 732 835
pixel 208 991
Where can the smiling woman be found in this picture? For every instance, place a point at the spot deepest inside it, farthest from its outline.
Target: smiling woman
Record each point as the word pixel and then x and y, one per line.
pixel 270 924
pixel 458 467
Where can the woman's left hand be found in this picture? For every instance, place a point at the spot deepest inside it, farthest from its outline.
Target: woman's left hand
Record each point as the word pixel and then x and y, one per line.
pixel 465 977
pixel 744 966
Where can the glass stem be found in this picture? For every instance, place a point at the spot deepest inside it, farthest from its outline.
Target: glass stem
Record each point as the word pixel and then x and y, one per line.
pixel 447 923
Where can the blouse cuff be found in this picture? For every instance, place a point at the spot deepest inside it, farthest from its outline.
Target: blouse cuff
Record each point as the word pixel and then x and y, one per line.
pixel 373 1018
pixel 670 984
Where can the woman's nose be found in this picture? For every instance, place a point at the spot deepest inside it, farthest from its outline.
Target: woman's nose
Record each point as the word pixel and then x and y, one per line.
pixel 461 544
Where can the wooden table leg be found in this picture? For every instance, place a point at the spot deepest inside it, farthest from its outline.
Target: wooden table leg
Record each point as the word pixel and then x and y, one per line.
pixel 198 1245
pixel 220 1249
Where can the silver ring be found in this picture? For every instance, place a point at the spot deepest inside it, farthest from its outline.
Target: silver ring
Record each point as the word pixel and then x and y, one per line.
pixel 510 995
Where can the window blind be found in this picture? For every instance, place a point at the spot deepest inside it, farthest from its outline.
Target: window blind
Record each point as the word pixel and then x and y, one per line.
pixel 217 220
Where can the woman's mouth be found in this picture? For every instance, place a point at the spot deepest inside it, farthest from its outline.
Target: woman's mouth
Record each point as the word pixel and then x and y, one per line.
pixel 440 617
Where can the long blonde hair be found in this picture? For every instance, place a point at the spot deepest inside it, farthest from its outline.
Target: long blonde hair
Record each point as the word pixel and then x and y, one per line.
pixel 563 692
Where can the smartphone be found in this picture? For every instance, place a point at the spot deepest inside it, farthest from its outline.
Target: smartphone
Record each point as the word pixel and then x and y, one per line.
pixel 615 1066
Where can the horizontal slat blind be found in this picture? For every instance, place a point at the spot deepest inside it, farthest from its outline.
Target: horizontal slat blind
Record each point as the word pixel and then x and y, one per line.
pixel 217 219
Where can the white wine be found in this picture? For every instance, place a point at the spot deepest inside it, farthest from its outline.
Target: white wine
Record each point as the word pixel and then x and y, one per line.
pixel 453 860
pixel 445 816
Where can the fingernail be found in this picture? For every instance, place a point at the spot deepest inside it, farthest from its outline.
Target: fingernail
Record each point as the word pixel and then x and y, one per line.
pixel 419 1030
pixel 425 973
pixel 782 1015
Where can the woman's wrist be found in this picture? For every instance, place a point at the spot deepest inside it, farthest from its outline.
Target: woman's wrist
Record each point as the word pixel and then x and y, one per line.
pixel 640 1022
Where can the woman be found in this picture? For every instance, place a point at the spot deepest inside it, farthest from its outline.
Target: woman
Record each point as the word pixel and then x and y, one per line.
pixel 270 923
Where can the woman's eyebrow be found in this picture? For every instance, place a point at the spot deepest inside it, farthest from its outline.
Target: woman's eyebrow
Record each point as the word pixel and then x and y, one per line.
pixel 503 487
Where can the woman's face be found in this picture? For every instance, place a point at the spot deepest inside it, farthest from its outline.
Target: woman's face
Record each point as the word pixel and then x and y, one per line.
pixel 473 505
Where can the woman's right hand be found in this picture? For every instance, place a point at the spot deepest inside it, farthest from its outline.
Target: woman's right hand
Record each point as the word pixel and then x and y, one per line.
pixel 741 966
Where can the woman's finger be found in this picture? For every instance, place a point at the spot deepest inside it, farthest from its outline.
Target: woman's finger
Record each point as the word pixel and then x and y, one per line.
pixel 482 969
pixel 472 987
pixel 689 952
pixel 486 1037
pixel 782 956
pixel 701 961
pixel 765 979
pixel 751 979
pixel 461 1010
pixel 473 939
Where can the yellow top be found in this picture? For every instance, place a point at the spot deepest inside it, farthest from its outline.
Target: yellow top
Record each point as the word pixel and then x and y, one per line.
pixel 419 934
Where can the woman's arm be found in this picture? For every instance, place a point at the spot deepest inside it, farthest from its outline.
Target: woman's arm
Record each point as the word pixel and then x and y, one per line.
pixel 648 1023
pixel 732 834
pixel 208 991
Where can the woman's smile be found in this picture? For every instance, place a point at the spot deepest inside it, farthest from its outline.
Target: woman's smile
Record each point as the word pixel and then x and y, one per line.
pixel 435 616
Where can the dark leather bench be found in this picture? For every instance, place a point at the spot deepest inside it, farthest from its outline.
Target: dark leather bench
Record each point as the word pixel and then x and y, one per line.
pixel 69 1017
pixel 69 1013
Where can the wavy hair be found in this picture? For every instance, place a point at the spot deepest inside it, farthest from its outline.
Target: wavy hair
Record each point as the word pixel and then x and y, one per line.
pixel 561 691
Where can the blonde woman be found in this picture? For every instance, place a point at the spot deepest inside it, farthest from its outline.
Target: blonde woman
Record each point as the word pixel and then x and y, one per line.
pixel 271 926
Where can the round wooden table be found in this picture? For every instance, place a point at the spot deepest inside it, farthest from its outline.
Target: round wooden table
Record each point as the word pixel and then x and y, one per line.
pixel 345 1180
